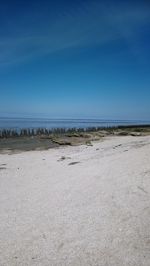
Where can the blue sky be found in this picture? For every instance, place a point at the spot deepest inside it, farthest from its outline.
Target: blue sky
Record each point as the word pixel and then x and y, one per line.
pixel 75 59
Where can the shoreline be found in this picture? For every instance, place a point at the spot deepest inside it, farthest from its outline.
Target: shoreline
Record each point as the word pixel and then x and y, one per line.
pixel 44 140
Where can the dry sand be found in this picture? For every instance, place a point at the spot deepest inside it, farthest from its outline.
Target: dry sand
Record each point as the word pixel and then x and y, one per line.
pixel 77 205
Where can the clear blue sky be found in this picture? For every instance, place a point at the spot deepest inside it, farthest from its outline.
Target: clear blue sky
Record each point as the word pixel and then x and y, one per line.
pixel 75 59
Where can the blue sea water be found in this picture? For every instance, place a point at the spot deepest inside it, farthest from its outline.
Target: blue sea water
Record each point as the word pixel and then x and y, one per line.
pixel 33 123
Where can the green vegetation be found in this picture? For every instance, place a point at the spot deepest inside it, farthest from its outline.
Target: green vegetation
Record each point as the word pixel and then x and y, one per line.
pixel 33 139
pixel 72 132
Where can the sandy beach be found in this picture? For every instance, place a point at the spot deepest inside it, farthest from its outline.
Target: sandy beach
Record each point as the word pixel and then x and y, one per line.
pixel 72 206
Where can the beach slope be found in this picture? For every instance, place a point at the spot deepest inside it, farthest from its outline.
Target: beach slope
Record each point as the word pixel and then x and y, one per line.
pixel 82 205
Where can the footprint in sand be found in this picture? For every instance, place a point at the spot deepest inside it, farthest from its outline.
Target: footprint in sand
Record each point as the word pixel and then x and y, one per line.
pixel 3 168
pixel 73 163
pixel 63 158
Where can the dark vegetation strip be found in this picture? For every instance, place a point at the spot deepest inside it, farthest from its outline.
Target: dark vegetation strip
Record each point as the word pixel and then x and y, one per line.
pixel 10 133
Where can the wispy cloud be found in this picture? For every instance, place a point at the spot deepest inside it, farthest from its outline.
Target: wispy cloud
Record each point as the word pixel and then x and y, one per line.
pixel 89 24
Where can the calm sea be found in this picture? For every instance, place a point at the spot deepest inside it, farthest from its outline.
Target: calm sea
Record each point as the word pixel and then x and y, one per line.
pixel 19 123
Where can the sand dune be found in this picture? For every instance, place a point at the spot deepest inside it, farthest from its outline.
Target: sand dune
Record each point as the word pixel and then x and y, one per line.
pixel 85 205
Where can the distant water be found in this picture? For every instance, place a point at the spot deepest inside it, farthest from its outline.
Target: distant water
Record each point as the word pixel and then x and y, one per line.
pixel 19 123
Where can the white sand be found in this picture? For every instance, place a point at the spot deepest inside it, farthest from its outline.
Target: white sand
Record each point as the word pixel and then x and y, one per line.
pixel 96 212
